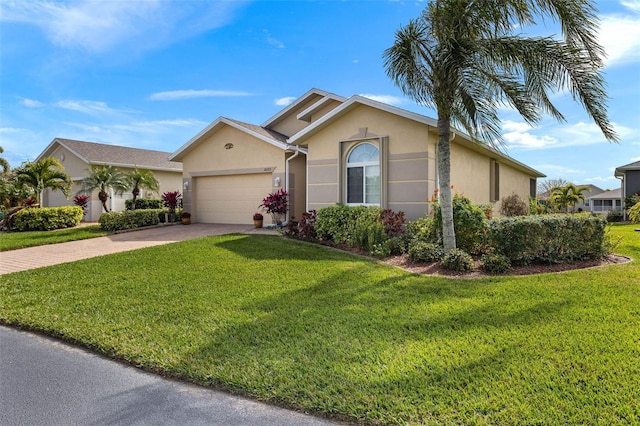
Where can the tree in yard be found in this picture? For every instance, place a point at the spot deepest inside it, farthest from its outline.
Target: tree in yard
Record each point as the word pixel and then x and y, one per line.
pixel 546 186
pixel 568 195
pixel 4 164
pixel 141 179
pixel 43 174
pixel 464 59
pixel 104 178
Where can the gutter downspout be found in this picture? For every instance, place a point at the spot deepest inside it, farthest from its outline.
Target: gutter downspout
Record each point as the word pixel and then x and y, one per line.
pixel 286 179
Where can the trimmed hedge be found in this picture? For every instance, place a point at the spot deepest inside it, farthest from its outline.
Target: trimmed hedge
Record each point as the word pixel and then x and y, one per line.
pixel 47 218
pixel 549 238
pixel 368 228
pixel 130 219
pixel 144 203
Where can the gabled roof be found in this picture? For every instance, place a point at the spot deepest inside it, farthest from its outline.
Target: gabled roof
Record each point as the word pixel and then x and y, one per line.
pixel 631 166
pixel 324 96
pixel 614 194
pixel 357 100
pixel 94 153
pixel 272 137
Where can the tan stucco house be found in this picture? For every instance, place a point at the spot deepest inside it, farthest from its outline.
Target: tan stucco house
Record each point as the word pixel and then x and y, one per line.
pixel 77 157
pixel 326 149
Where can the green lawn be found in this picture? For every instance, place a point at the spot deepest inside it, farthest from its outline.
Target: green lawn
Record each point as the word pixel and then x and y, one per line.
pixel 18 240
pixel 312 328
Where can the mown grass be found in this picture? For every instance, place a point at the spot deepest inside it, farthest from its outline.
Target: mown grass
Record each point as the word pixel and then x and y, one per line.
pixel 312 328
pixel 18 240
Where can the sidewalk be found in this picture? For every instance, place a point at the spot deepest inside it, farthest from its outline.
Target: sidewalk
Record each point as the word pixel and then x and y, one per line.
pixel 53 254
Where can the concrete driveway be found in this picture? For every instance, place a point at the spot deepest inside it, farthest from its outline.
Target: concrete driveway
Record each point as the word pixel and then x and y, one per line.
pixel 53 254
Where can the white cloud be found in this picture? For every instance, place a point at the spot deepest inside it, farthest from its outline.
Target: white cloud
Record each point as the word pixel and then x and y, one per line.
pixel 272 41
pixel 31 103
pixel 190 94
pixel 619 34
pixel 84 106
pixel 385 99
pixel 519 135
pixel 287 100
pixel 101 25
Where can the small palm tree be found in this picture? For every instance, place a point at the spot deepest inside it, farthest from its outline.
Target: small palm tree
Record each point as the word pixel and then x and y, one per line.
pixel 141 179
pixel 568 195
pixel 103 179
pixel 44 174
pixel 464 59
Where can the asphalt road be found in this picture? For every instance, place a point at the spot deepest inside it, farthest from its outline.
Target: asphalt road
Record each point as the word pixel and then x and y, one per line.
pixel 46 382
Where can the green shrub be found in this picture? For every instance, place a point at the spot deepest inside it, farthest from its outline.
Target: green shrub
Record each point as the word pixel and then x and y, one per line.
pixel 457 260
pixel 359 226
pixel 634 213
pixel 549 238
pixel 333 224
pixel 47 218
pixel 130 219
pixel 631 200
pixel 421 251
pixel 513 205
pixel 470 222
pixel 144 203
pixel 423 229
pixel 614 216
pixel 495 263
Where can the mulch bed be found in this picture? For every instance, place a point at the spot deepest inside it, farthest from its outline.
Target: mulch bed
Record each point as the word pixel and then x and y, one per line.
pixel 403 262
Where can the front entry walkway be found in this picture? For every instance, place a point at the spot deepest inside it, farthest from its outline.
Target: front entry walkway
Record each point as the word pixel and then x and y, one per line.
pixel 53 254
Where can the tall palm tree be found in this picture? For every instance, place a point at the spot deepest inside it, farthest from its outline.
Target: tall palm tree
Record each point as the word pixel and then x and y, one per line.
pixel 43 174
pixel 105 178
pixel 463 58
pixel 141 179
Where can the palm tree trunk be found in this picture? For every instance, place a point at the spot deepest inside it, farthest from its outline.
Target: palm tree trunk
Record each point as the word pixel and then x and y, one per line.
pixel 103 198
pixel 444 179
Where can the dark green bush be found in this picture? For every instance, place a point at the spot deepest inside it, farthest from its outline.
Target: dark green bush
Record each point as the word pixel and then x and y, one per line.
pixel 130 219
pixel 549 238
pixel 421 251
pixel 47 218
pixel 614 216
pixel 470 222
pixel 495 263
pixel 333 223
pixel 144 203
pixel 513 205
pixel 423 229
pixel 457 260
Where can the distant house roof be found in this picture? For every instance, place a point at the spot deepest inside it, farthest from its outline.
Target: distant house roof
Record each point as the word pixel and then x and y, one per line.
pixel 631 166
pixel 94 153
pixel 615 194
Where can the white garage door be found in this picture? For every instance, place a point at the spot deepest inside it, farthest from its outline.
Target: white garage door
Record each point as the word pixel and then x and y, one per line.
pixel 230 199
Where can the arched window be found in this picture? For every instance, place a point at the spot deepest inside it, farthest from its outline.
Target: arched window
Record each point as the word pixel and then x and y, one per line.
pixel 363 175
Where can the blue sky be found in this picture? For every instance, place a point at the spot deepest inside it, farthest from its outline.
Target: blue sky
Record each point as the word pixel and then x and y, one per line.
pixel 153 73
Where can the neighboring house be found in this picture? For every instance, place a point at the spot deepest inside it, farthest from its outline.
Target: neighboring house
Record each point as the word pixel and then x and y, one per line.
pixel 630 176
pixel 606 201
pixel 590 191
pixel 326 150
pixel 77 157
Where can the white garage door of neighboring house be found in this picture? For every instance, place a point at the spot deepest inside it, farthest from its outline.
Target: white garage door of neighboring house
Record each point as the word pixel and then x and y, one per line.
pixel 230 199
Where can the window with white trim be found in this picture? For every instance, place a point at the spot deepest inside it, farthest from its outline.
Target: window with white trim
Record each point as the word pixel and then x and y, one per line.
pixel 363 175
